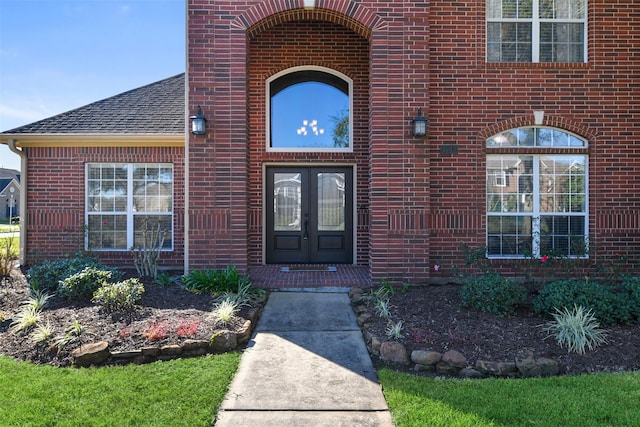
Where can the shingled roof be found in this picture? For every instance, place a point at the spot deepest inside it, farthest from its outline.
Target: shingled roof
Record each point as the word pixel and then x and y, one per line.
pixel 157 108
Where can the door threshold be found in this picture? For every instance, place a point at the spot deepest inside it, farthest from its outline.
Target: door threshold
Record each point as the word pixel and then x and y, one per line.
pixel 307 268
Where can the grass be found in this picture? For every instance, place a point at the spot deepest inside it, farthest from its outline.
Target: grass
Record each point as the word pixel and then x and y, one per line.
pixel 586 400
pixel 185 392
pixel 6 228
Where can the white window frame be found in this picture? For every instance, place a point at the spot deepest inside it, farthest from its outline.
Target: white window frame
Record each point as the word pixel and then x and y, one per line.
pixel 535 21
pixel 130 212
pixel 536 212
pixel 268 146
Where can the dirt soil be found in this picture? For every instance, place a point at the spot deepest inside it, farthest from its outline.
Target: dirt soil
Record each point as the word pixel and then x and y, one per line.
pixel 165 315
pixel 434 320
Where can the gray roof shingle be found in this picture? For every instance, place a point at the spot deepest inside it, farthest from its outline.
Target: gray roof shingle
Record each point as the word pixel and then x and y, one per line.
pixel 157 108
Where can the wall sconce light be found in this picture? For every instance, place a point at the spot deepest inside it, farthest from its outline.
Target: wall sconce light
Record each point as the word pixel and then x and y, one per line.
pixel 419 124
pixel 198 123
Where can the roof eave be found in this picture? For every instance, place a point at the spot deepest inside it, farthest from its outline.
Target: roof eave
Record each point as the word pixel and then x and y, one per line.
pixel 94 140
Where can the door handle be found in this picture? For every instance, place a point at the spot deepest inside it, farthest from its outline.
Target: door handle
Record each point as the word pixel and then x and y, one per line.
pixel 306 230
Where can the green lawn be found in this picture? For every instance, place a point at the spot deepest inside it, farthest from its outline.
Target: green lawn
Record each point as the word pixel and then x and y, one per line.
pixel 586 400
pixel 185 392
pixel 6 228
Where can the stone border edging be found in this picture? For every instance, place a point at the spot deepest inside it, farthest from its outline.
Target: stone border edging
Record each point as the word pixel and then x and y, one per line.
pixel 451 363
pixel 98 353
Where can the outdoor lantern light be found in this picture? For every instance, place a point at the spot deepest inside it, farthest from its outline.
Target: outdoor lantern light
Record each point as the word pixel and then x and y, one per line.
pixel 419 124
pixel 198 123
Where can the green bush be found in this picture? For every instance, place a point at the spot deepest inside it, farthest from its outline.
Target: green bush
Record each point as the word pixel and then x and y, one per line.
pixel 608 307
pixel 47 276
pixel 82 285
pixel 493 293
pixel 120 296
pixel 215 281
pixel 630 294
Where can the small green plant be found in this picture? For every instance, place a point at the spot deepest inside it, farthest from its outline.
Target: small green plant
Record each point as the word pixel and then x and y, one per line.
pixel 382 308
pixel 244 297
pixel 380 294
pixel 120 296
pixel 38 300
pixel 164 279
pixel 42 333
pixel 576 329
pixel 493 293
pixel 215 281
pixel 26 319
pixel 71 335
pixel 82 285
pixel 394 330
pixel 224 311
pixel 8 254
pixel 156 330
pixel 146 256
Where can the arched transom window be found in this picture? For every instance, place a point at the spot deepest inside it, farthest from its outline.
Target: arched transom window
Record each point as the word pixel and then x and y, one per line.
pixel 309 109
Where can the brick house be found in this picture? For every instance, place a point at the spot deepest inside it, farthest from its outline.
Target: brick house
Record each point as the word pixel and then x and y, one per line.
pixel 310 155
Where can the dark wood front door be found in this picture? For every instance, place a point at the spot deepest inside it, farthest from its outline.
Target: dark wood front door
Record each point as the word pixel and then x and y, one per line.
pixel 309 215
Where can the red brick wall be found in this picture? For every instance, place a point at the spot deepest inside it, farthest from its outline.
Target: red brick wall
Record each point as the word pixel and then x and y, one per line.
pixel 307 43
pixel 56 201
pixel 422 203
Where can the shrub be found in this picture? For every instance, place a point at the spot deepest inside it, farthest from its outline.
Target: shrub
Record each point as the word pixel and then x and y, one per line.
pixel 215 281
pixel 609 307
pixel 82 285
pixel 120 296
pixel 47 276
pixel 8 254
pixel 493 293
pixel 244 297
pixel 630 294
pixel 577 329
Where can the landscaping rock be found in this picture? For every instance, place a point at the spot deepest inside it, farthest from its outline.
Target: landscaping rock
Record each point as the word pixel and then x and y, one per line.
pixel 471 373
pixel 455 359
pixel 91 354
pixel 243 335
pixel 444 369
pixel 375 345
pixel 427 358
pixel 171 350
pixel 222 341
pixel 126 354
pixel 498 369
pixel 151 351
pixel 548 367
pixel 194 345
pixel 363 318
pixel 395 352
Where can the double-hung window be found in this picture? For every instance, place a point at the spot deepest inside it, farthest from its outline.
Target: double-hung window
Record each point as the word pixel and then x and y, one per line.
pixel 121 198
pixel 536 30
pixel 537 204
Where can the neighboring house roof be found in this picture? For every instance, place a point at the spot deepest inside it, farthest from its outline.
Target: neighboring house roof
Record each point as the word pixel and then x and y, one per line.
pixel 6 182
pixel 10 173
pixel 157 108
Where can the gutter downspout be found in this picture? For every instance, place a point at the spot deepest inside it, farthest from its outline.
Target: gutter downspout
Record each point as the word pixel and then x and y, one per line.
pixel 23 198
pixel 187 224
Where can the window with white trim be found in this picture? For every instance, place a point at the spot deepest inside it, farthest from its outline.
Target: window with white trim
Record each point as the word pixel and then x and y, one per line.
pixel 536 30
pixel 120 197
pixel 537 204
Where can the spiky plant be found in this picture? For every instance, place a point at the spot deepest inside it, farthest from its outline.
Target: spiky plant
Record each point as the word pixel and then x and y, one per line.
pixel 224 310
pixel 577 329
pixel 26 319
pixel 42 333
pixel 394 330
pixel 382 308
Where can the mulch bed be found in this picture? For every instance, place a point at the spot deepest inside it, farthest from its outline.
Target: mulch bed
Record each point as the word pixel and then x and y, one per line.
pixel 434 320
pixel 171 313
pixel 432 315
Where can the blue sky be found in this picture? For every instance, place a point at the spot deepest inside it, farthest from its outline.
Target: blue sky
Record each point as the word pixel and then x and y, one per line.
pixel 57 55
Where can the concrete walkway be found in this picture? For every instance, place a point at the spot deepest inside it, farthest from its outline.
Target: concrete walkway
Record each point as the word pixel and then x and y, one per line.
pixel 307 365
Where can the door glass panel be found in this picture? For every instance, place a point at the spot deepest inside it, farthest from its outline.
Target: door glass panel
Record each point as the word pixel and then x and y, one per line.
pixel 287 201
pixel 331 201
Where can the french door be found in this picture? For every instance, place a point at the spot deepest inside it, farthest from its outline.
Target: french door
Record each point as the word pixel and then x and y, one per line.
pixel 309 215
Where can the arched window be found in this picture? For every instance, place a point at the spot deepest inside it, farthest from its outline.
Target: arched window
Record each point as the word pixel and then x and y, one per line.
pixel 537 204
pixel 309 109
